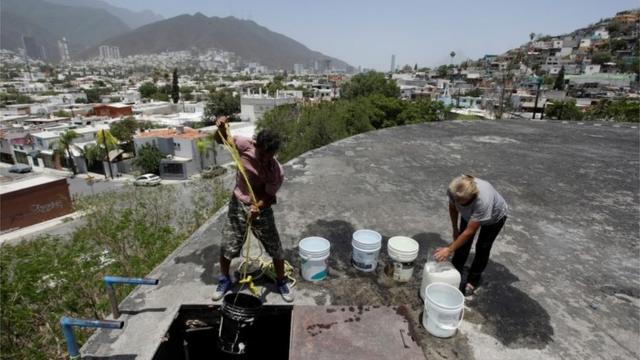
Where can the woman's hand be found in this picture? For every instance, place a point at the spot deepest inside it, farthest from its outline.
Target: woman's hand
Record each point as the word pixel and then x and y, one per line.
pixel 221 121
pixel 254 212
pixel 442 253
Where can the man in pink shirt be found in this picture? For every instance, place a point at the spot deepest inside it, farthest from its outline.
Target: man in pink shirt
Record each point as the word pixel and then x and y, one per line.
pixel 265 175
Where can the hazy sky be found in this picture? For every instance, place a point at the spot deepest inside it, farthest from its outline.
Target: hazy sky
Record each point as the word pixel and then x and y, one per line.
pixel 366 33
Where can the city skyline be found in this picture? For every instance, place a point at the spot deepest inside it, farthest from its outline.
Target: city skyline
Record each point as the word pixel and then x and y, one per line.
pixel 416 32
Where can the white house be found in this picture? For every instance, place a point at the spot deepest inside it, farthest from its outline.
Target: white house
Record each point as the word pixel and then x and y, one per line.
pixel 591 69
pixel 253 106
pixel 565 51
pixel 585 43
pixel 600 34
pixel 179 146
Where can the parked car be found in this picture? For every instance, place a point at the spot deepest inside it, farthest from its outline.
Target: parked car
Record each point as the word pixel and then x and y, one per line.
pixel 147 180
pixel 20 168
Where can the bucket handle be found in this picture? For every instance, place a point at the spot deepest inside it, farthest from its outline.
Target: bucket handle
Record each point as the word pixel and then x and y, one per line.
pixel 449 327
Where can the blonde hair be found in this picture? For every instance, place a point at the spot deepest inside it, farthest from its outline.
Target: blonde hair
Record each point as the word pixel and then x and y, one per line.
pixel 463 187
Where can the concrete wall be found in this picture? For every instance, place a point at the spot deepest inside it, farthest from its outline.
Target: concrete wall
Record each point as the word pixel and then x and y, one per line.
pixel 35 204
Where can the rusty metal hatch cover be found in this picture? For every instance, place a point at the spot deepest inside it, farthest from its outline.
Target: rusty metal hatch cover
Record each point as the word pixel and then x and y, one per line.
pixel 352 332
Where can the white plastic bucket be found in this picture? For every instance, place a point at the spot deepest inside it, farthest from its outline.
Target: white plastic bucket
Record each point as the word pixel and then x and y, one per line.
pixel 403 251
pixel 443 272
pixel 366 247
pixel 314 252
pixel 443 309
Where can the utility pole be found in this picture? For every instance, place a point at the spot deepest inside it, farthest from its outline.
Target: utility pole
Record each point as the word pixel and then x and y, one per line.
pixel 502 91
pixel 535 105
pixel 106 149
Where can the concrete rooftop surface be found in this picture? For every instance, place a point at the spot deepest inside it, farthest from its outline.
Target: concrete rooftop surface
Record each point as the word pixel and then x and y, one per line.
pixel 563 280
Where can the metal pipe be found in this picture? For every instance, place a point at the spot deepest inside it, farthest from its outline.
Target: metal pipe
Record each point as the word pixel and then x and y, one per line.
pixel 110 280
pixel 66 323
pixel 129 280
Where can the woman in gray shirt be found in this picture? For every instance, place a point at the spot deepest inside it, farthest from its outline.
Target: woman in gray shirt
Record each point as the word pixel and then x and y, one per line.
pixel 478 206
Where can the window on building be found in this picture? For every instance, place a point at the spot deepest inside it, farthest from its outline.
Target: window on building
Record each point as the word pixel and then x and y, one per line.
pixel 172 168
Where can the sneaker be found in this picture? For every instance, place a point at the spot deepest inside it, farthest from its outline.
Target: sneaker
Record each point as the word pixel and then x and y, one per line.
pixel 469 290
pixel 224 285
pixel 285 291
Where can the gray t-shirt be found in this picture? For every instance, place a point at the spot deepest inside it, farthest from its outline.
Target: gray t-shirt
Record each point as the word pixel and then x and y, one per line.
pixel 487 209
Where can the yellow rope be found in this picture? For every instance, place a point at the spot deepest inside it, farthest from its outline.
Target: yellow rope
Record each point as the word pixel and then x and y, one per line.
pixel 267 267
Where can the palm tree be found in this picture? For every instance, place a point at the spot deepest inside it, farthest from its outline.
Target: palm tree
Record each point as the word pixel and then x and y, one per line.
pixel 531 36
pixel 106 141
pixel 202 146
pixel 63 147
pixel 205 146
pixel 91 154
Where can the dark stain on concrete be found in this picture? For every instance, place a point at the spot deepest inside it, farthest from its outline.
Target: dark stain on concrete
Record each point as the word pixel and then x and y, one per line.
pixel 316 329
pixel 612 290
pixel 349 287
pixel 206 257
pixel 413 331
pixel 507 313
pixel 331 310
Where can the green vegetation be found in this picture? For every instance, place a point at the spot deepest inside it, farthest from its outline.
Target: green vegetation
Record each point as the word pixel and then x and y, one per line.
pixel 149 90
pixel 148 159
pixel 62 113
pixel 124 130
pixel 620 110
pixel 93 94
pixel 14 98
pixel 124 233
pixel 62 147
pixel 367 107
pixel 600 58
pixel 221 103
pixel 367 84
pixel 186 93
pixel 615 110
pixel 563 110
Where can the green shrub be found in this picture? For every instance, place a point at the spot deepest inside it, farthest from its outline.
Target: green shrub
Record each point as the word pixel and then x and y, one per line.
pixel 126 233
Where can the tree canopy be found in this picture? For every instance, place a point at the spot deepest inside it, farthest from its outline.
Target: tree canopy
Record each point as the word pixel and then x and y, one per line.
pixel 148 159
pixel 367 84
pixel 303 128
pixel 221 103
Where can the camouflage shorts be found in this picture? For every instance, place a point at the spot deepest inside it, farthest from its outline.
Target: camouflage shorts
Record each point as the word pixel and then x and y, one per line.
pixel 263 228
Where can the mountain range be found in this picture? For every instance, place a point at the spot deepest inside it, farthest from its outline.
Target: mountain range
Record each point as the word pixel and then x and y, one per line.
pixel 87 24
pixel 133 19
pixel 46 23
pixel 245 38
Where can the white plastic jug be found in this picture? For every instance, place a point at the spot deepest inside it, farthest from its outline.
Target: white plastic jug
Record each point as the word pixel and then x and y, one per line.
pixel 443 272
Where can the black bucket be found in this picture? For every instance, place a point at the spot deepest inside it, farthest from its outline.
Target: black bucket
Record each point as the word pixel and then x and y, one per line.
pixel 239 311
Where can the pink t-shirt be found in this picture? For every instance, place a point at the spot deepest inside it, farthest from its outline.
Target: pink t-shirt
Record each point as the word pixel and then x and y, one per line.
pixel 265 178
